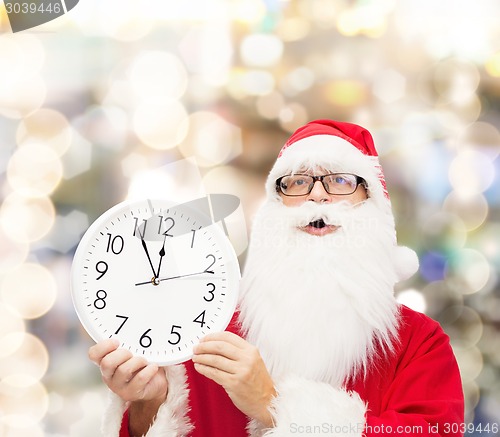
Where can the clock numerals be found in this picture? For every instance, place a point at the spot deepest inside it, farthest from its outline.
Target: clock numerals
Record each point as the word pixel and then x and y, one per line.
pixel 169 221
pixel 100 302
pixel 212 263
pixel 192 239
pixel 137 228
pixel 200 319
pixel 125 318
pixel 146 341
pixel 102 268
pixel 211 294
pixel 177 335
pixel 115 244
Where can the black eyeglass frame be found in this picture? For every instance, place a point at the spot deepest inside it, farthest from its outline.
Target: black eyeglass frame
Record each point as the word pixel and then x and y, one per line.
pixel 359 181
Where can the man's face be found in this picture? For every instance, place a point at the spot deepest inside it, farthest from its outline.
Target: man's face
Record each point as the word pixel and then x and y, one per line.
pixel 319 195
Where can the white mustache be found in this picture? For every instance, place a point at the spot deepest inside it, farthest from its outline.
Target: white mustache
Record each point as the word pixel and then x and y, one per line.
pixel 336 214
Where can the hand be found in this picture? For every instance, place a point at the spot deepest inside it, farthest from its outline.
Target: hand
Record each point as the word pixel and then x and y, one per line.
pixel 162 254
pixel 131 378
pixel 237 366
pixel 134 380
pixel 149 259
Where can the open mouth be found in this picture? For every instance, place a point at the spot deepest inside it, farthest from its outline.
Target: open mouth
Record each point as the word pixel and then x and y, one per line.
pixel 318 224
pixel 319 227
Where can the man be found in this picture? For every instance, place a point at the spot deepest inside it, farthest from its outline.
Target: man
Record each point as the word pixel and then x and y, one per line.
pixel 320 345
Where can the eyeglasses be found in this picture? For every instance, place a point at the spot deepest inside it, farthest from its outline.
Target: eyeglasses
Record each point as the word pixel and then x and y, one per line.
pixel 340 184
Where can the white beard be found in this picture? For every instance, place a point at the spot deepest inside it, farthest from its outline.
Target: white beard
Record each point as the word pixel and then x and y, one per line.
pixel 320 306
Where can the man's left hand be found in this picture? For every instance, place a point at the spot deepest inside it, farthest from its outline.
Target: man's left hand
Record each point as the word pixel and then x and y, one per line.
pixel 237 366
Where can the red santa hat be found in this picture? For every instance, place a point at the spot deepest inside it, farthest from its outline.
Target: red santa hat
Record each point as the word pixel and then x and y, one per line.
pixel 345 148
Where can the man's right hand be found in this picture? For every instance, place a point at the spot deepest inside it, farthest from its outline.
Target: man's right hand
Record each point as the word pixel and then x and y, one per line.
pixel 134 380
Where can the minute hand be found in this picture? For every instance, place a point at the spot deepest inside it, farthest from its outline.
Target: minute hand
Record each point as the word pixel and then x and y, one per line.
pixel 177 277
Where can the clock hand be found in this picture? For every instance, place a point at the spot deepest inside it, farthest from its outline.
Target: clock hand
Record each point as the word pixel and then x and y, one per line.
pixel 149 258
pixel 177 277
pixel 162 254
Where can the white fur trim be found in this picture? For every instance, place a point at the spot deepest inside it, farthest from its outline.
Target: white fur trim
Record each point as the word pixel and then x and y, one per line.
pixel 305 407
pixel 405 262
pixel 171 419
pixel 334 153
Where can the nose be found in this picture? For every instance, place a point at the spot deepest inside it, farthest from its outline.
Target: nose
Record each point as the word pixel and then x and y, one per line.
pixel 319 194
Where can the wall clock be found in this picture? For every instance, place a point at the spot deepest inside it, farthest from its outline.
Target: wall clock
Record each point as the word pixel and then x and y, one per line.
pixel 157 276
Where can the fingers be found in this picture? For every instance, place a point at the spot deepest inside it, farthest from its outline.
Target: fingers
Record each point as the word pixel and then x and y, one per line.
pixel 101 349
pixel 225 336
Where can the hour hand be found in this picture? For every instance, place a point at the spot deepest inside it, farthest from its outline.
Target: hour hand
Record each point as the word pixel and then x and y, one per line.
pixel 162 254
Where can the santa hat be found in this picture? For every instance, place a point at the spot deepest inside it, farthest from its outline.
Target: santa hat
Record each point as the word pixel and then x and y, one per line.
pixel 345 148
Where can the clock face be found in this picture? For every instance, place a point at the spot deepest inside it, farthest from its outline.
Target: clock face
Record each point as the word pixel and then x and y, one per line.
pixel 156 277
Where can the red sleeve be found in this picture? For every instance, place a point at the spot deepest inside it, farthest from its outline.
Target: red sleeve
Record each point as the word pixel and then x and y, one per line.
pixel 425 397
pixel 124 428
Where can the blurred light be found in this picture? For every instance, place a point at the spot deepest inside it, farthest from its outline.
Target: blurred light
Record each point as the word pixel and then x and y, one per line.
pixel 471 172
pixel 156 74
pixel 455 80
pixel 11 324
pixel 389 86
pixel 208 51
pixel 248 11
pixel 346 93
pixel 261 50
pixel 293 29
pixel 178 181
pixel 124 20
pixel 161 123
pixel 67 231
pixel 298 80
pixel 12 253
pixel 229 180
pixel 256 82
pixel 270 105
pixel 19 99
pixel 26 220
pixel 470 268
pixel 483 136
pixel 78 159
pixel 463 324
pixel 470 362
pixel 492 65
pixel 30 289
pixel 443 232
pixel 34 170
pixel 134 163
pixel 368 19
pixel 432 266
pixel 413 299
pixel 48 127
pixel 211 140
pixel 23 405
pixel 27 363
pixel 473 210
pixel 293 116
pixel 150 184
pixel 22 90
pixel 104 126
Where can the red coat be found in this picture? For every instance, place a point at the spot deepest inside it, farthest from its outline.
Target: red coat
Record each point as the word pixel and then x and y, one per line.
pixel 417 391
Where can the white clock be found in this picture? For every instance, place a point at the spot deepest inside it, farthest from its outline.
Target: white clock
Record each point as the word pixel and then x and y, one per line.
pixel 156 276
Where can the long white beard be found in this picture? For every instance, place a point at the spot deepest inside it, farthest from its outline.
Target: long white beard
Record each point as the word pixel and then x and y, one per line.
pixel 320 306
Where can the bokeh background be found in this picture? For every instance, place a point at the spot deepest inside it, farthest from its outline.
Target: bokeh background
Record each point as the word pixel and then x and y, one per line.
pixel 96 103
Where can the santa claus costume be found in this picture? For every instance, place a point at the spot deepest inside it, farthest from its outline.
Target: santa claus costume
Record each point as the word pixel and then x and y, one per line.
pixel 345 358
